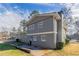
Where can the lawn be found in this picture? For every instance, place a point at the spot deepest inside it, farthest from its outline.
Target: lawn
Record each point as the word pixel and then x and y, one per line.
pixel 72 49
pixel 8 50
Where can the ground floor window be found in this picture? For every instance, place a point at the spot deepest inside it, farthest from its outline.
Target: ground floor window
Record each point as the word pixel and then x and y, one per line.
pixel 43 38
pixel 34 38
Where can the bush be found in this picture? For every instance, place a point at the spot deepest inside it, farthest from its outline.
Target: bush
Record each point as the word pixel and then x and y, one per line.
pixel 17 40
pixel 59 45
pixel 66 41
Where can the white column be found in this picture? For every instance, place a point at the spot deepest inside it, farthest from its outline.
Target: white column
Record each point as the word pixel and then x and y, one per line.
pixel 55 30
pixel 60 30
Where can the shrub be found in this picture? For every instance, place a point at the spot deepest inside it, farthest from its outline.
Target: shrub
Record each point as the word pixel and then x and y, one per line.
pixel 66 41
pixel 17 40
pixel 59 45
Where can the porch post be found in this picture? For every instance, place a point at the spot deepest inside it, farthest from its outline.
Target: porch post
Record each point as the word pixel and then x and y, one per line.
pixel 55 31
pixel 60 30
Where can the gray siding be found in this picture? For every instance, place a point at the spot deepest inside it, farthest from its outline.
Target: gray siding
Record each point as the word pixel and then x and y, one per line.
pixel 23 38
pixel 48 43
pixel 47 26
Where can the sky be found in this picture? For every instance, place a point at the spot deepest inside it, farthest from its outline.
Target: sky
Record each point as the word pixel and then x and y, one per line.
pixel 12 13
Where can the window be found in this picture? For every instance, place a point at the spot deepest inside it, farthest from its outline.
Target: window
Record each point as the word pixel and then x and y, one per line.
pixel 43 38
pixel 40 24
pixel 34 38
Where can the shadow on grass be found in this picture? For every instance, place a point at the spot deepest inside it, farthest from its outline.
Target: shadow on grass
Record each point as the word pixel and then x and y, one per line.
pixel 5 46
pixel 8 46
pixel 24 45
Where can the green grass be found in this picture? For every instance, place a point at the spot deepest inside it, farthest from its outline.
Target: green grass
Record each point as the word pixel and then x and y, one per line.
pixel 8 50
pixel 71 49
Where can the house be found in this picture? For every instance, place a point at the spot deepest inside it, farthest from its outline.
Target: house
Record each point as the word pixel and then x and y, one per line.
pixel 45 30
pixel 4 36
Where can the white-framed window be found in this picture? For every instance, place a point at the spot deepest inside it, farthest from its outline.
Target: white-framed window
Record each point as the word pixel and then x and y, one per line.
pixel 43 38
pixel 34 38
pixel 40 24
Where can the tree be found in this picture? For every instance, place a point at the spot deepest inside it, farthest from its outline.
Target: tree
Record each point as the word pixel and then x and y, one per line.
pixel 67 12
pixel 14 29
pixel 19 31
pixel 77 25
pixel 4 32
pixel 34 12
pixel 13 32
pixel 23 25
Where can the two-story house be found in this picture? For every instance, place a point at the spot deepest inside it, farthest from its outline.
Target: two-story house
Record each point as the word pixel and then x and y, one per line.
pixel 45 30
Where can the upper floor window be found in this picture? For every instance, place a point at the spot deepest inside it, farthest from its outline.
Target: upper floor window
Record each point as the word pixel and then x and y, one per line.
pixel 43 38
pixel 40 24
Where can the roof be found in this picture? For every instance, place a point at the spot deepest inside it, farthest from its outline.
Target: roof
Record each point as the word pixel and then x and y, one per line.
pixel 37 17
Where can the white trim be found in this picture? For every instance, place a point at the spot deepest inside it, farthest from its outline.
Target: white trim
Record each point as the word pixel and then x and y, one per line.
pixel 42 33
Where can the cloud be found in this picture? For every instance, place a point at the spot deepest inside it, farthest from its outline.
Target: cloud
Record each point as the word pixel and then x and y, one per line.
pixel 10 18
pixel 16 7
pixel 48 4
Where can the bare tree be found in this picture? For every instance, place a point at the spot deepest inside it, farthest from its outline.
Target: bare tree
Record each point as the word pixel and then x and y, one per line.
pixel 14 29
pixel 23 25
pixel 13 32
pixel 19 31
pixel 67 12
pixel 4 33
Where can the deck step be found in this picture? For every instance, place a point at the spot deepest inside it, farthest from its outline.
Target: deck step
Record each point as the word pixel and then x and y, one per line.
pixel 35 51
pixel 22 48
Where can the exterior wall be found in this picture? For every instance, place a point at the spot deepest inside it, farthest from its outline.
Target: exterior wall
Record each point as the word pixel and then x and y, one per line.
pixel 49 24
pixel 23 38
pixel 48 43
